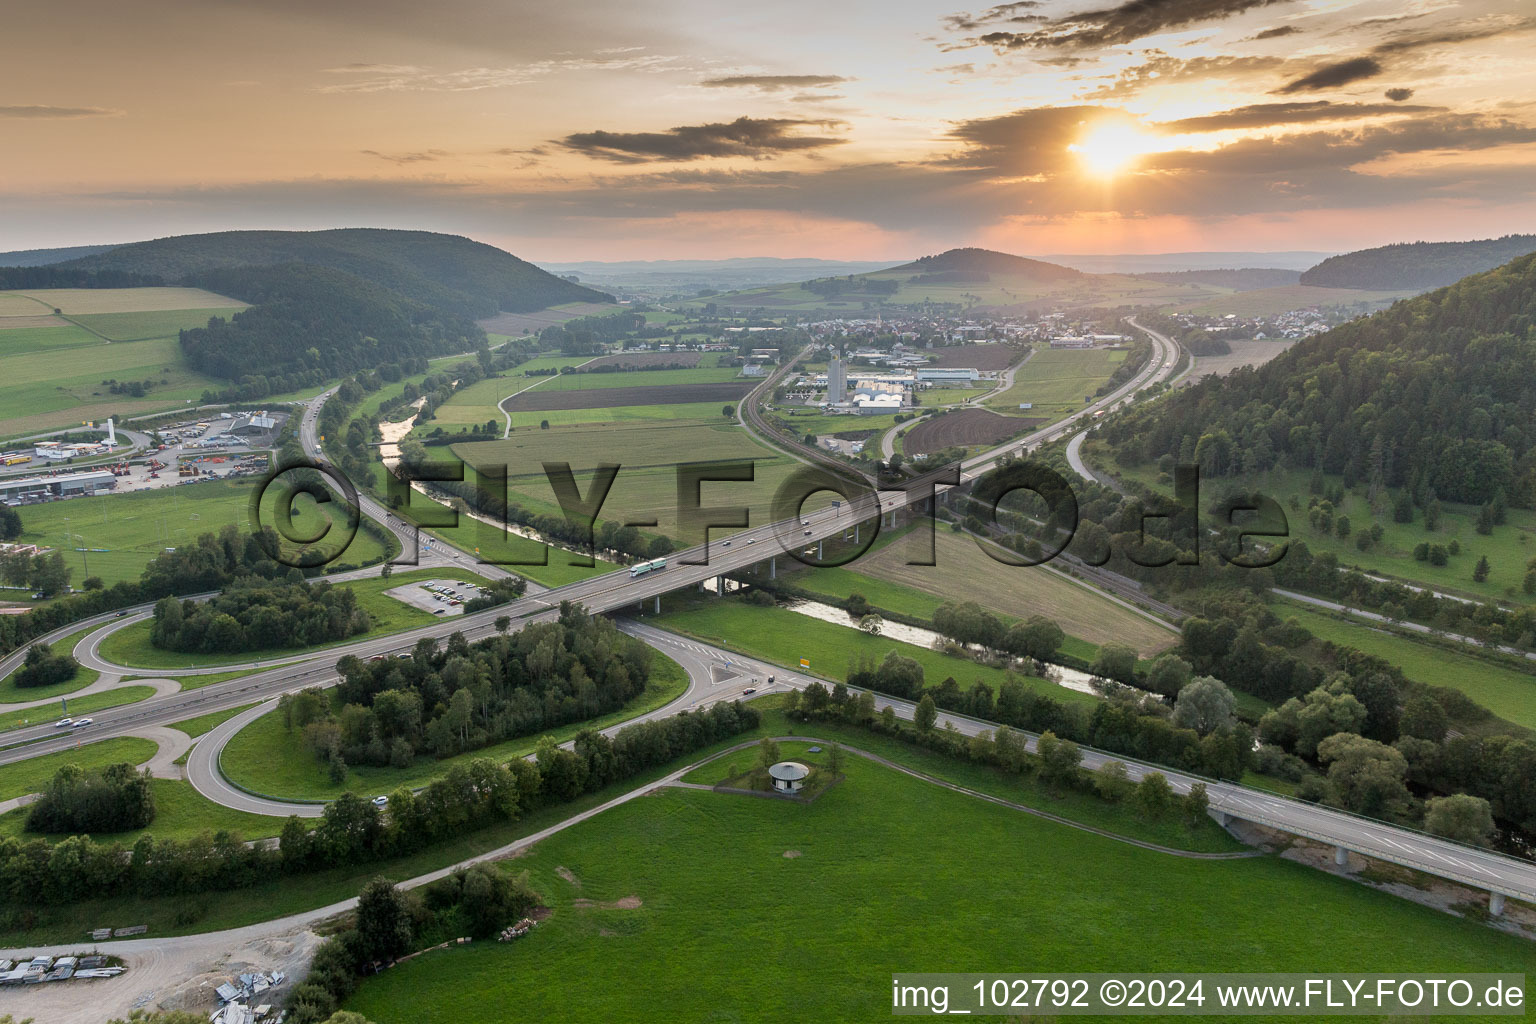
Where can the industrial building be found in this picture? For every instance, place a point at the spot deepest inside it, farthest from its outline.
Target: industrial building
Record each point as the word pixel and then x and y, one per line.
pixel 948 374
pixel 837 382
pixel 66 485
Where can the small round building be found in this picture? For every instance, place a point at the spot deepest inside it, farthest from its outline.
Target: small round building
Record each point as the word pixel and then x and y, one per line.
pixel 788 776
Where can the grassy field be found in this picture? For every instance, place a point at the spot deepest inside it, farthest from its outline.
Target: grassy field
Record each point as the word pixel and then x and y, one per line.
pixel 784 637
pixel 265 758
pixel 1016 592
pixel 1508 548
pixel 802 912
pixel 139 326
pixel 950 396
pixel 1056 381
pixel 99 701
pixel 1271 301
pixel 1507 692
pixel 51 376
pixel 131 644
pixel 72 301
pixel 10 693
pixel 30 776
pixel 195 727
pixel 181 812
pixel 705 413
pixel 649 453
pixel 124 532
pixel 813 421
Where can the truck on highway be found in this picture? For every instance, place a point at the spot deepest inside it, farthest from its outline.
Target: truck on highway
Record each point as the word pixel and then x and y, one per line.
pixel 641 568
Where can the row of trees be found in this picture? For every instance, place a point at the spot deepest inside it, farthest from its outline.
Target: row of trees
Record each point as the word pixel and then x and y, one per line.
pixel 1056 762
pixel 259 615
pixel 211 562
pixel 45 573
pixel 390 922
pixel 352 831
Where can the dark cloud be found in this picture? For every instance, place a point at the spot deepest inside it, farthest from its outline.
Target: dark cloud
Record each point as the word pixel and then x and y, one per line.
pixel 422 156
pixel 46 112
pixel 1264 115
pixel 1399 94
pixel 759 138
pixel 1002 13
pixel 948 200
pixel 1404 42
pixel 1124 24
pixel 1277 32
pixel 1332 76
pixel 772 83
pixel 1025 142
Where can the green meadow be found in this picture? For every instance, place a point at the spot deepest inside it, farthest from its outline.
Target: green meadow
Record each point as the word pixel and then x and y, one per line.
pixel 803 912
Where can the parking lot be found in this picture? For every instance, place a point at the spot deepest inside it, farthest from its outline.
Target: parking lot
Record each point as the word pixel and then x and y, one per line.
pixel 439 597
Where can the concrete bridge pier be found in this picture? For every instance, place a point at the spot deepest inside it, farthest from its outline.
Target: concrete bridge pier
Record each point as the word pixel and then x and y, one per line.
pixel 658 604
pixel 1341 856
pixel 818 550
pixel 720 586
pixel 773 568
pixel 1223 818
pixel 1495 904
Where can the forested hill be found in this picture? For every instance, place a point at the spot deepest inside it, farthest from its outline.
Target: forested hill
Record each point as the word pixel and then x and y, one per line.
pixel 1434 398
pixel 1417 265
pixel 986 261
pixel 447 272
pixel 308 325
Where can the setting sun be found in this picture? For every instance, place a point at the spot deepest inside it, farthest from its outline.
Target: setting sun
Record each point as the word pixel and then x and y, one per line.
pixel 1109 147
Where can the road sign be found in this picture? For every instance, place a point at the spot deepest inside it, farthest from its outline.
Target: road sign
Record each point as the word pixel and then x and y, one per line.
pixel 805 662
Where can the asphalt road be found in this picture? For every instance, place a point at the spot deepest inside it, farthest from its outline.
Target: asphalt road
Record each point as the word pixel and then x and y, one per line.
pixel 616 591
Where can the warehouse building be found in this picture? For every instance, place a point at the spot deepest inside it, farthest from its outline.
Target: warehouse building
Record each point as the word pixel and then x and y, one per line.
pixel 66 485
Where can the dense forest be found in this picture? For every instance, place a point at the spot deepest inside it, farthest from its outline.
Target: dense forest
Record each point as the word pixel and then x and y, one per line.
pixel 1417 265
pixel 308 325
pixel 467 696
pixel 67 277
pixel 1435 397
pixel 256 615
pixel 447 272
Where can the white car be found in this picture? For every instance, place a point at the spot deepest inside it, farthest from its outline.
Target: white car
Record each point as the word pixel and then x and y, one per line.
pixel 751 540
pixel 381 801
pixel 64 723
pixel 82 723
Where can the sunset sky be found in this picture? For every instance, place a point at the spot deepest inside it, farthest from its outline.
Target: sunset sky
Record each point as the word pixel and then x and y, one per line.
pixel 859 130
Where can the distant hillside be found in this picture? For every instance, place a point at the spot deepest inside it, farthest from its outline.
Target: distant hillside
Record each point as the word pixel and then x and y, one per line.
pixel 447 272
pixel 690 276
pixel 1245 279
pixel 1431 399
pixel 44 257
pixel 1417 265
pixel 1168 262
pixel 985 261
